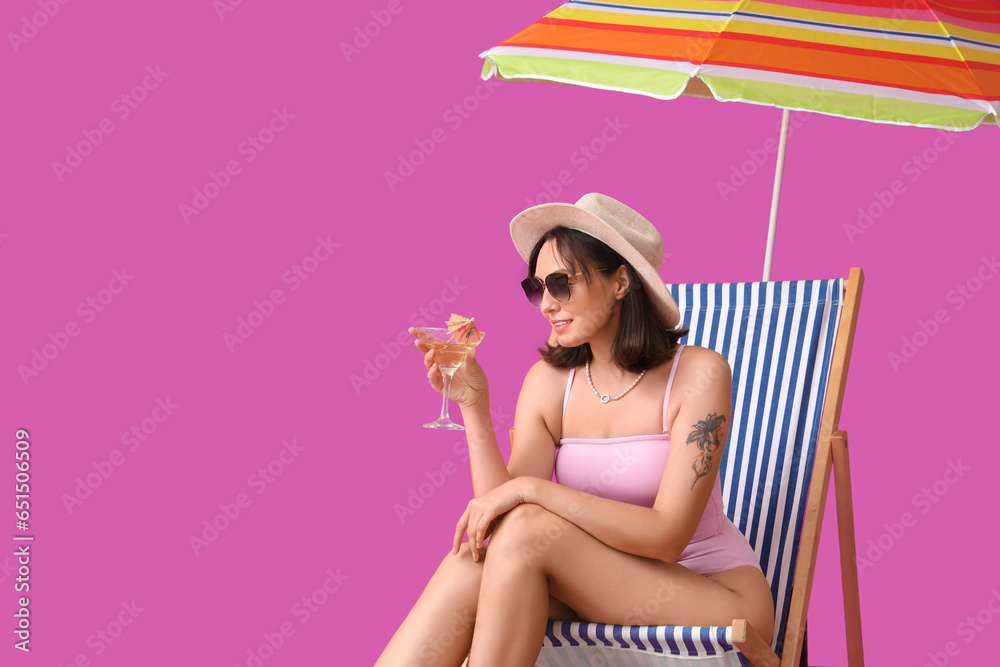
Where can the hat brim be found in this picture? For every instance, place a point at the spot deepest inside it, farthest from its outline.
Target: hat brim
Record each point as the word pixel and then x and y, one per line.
pixel 530 225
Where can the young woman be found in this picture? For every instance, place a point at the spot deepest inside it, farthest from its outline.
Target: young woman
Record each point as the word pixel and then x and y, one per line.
pixel 633 425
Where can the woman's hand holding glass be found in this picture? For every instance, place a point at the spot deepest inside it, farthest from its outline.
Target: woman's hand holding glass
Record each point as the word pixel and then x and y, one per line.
pixel 468 385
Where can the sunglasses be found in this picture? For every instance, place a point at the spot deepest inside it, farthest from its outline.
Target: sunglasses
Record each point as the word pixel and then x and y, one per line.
pixel 556 283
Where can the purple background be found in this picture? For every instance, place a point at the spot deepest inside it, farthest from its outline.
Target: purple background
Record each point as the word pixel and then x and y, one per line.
pixel 346 120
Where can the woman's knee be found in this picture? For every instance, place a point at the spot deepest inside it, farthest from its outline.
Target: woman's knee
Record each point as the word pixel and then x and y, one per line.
pixel 462 567
pixel 464 557
pixel 529 531
pixel 516 522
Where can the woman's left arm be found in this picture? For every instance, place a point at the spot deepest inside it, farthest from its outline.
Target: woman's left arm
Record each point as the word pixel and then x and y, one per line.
pixel 698 437
pixel 626 527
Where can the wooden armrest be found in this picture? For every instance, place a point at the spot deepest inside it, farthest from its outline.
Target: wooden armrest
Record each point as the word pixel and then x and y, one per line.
pixel 750 644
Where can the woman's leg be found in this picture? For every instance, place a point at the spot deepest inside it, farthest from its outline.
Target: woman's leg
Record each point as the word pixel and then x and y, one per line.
pixel 535 554
pixel 438 630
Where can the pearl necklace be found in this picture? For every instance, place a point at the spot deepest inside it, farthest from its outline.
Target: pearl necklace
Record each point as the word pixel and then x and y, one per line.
pixel 604 397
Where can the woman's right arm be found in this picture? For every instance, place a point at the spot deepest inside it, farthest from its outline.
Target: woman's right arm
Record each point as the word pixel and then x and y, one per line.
pixel 533 449
pixel 537 420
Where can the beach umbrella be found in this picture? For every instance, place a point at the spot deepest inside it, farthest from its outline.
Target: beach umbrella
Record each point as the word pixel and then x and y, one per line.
pixel 905 62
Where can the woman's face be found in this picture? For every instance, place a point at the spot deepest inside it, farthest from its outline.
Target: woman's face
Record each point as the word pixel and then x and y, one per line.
pixel 591 308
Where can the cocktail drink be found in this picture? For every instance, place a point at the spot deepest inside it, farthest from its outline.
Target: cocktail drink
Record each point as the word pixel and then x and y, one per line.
pixel 449 355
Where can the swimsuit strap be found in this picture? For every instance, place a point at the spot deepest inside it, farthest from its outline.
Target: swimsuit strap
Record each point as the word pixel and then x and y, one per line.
pixel 670 383
pixel 569 384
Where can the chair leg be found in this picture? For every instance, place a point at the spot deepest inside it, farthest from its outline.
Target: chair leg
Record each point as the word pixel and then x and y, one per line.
pixel 750 644
pixel 848 549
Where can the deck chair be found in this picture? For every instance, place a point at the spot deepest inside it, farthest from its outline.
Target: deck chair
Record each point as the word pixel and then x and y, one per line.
pixel 789 346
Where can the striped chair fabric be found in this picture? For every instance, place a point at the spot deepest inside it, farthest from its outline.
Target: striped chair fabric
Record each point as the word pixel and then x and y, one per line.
pixel 779 339
pixel 647 646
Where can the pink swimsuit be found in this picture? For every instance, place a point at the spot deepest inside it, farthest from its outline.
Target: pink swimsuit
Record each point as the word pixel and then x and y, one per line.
pixel 629 469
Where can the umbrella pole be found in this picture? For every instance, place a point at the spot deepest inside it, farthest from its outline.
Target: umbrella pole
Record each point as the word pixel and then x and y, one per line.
pixel 776 194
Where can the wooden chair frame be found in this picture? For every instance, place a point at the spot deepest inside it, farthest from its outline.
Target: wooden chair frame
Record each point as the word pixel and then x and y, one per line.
pixel 831 454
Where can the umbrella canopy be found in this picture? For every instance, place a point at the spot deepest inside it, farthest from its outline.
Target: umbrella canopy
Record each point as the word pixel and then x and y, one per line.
pixel 911 62
pixel 463 330
pixel 906 62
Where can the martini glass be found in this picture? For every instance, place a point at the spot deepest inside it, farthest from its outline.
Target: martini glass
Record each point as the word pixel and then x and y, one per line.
pixel 449 355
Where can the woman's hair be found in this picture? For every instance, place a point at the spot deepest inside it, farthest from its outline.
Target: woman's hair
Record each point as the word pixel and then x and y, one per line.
pixel 641 342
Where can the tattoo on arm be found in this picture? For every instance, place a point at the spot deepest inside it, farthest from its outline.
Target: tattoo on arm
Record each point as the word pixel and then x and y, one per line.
pixel 706 434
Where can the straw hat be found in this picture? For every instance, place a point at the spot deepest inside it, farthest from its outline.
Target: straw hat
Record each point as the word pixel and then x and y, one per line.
pixel 614 223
